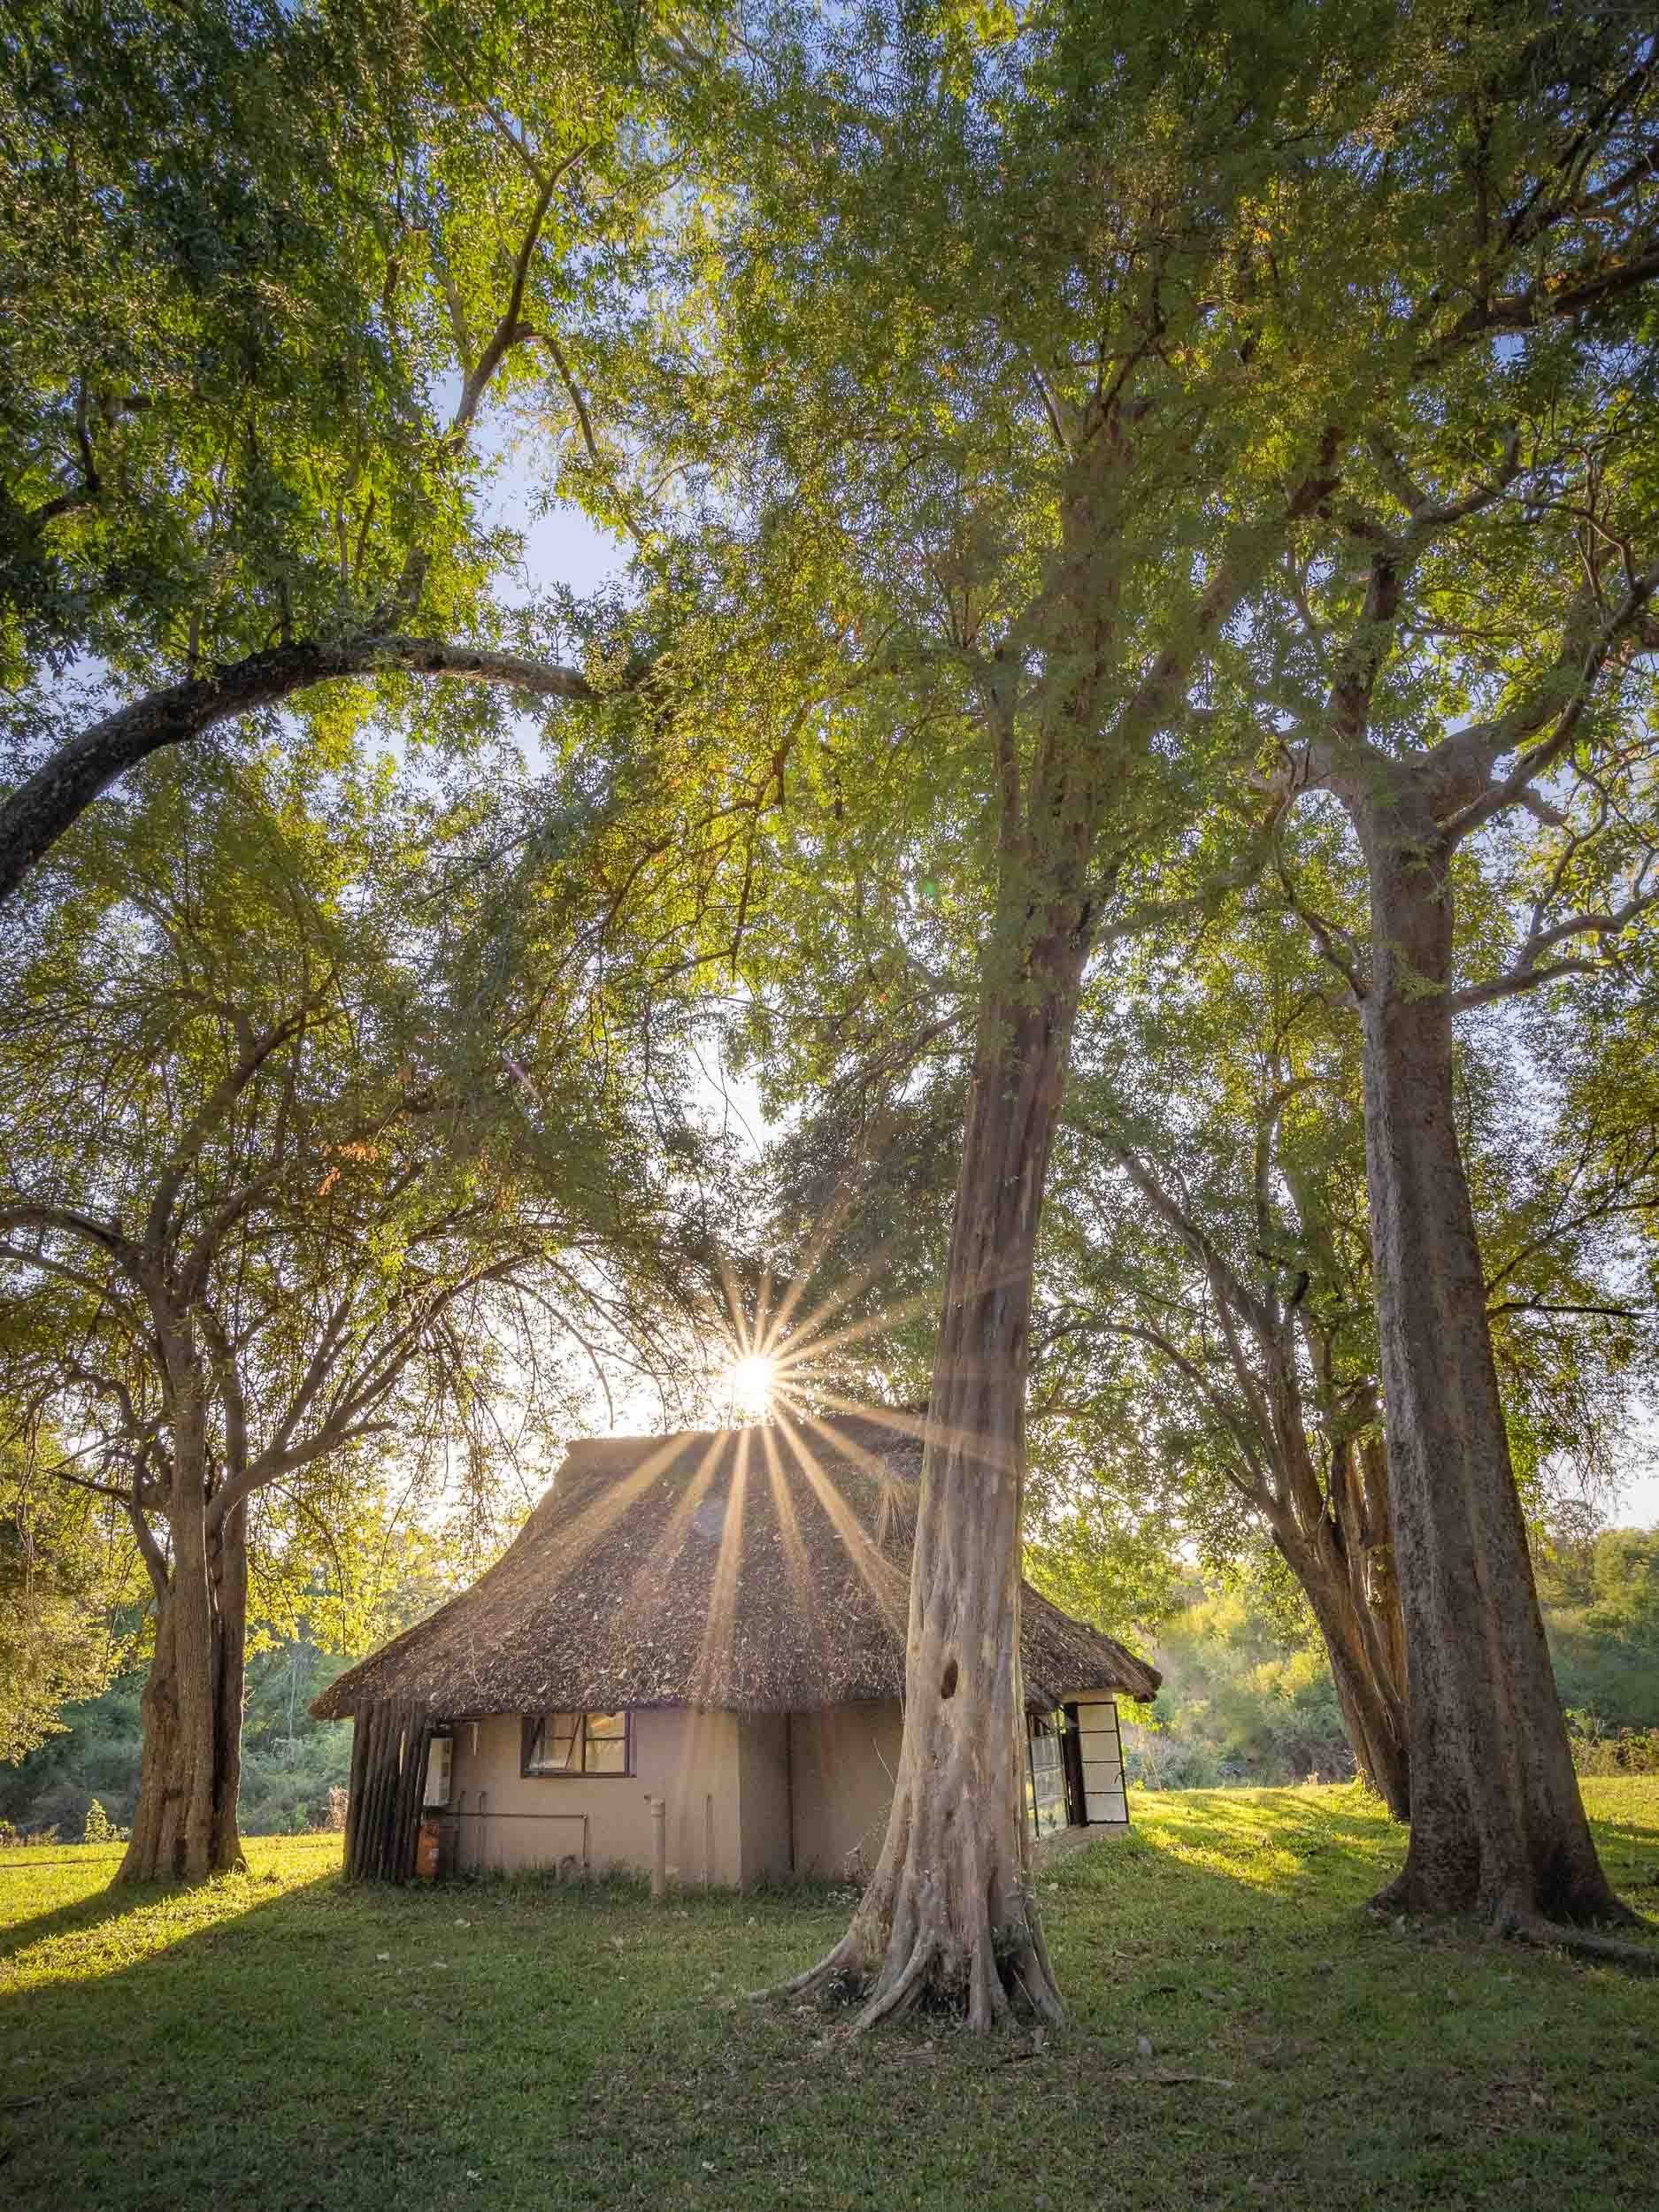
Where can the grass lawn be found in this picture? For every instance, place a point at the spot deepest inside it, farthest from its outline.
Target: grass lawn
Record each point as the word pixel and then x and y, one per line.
pixel 279 2042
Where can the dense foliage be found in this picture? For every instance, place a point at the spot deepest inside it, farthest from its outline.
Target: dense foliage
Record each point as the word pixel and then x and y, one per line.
pixel 1248 1698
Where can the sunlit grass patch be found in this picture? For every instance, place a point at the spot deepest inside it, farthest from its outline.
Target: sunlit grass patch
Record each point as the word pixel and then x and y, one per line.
pixel 59 1915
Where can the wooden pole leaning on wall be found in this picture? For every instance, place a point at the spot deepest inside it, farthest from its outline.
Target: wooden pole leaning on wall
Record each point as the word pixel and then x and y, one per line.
pixel 361 1721
pixel 405 1819
pixel 372 1721
pixel 382 1774
pixel 659 1847
pixel 377 1857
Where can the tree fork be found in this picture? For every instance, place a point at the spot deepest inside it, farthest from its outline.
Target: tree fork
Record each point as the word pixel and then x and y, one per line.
pixel 184 1827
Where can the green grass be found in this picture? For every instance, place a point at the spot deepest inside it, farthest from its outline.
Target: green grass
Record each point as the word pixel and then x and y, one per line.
pixel 277 2043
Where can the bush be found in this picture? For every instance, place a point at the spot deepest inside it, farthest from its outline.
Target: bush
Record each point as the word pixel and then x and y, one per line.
pixel 1598 1750
pixel 100 1828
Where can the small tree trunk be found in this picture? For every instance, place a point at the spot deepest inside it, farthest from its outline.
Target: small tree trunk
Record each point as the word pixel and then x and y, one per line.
pixel 949 1915
pixel 1370 1690
pixel 1497 1823
pixel 1334 1539
pixel 185 1826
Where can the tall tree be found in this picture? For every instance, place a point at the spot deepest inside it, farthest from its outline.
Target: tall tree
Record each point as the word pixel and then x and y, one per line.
pixel 1469 685
pixel 1044 342
pixel 1042 401
pixel 284 1192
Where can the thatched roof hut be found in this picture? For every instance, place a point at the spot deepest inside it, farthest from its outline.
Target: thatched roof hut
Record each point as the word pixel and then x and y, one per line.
pixel 755 1571
pixel 723 1614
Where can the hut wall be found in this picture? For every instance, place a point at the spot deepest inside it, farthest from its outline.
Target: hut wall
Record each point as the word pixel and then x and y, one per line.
pixel 767 1845
pixel 510 1820
pixel 842 1762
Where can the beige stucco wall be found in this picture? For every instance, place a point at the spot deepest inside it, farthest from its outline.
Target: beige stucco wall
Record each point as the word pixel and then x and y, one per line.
pixel 731 1782
pixel 768 1847
pixel 510 1819
pixel 842 1762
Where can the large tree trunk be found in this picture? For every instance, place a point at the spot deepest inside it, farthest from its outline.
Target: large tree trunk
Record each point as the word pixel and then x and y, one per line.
pixel 1497 1823
pixel 949 1915
pixel 185 1826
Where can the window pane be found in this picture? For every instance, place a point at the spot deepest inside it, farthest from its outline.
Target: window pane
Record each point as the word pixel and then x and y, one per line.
pixel 1045 1779
pixel 607 1743
pixel 557 1752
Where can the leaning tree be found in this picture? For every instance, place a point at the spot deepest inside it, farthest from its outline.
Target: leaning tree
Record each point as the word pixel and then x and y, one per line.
pixel 289 1200
pixel 1206 1291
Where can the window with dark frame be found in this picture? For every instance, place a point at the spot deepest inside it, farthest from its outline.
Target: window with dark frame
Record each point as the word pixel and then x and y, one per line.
pixel 1045 1774
pixel 577 1743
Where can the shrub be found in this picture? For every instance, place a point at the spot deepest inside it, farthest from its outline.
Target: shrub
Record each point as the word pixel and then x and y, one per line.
pixel 98 1829
pixel 1597 1750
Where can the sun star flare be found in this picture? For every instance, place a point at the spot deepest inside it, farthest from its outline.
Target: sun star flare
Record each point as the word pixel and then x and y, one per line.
pixel 750 1382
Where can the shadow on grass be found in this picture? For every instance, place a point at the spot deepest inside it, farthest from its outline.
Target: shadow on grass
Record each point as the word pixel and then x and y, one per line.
pixel 520 2045
pixel 337 2047
pixel 82 1916
pixel 116 1901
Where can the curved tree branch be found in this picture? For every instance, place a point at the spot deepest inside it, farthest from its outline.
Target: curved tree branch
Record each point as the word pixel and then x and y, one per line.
pixel 38 812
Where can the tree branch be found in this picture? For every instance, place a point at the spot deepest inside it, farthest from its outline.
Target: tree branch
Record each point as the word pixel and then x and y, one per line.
pixel 38 812
pixel 1525 974
pixel 510 330
pixel 1476 751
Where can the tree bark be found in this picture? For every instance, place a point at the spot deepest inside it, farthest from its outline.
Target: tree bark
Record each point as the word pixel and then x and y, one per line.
pixel 1497 1823
pixel 949 1916
pixel 1357 1610
pixel 185 1825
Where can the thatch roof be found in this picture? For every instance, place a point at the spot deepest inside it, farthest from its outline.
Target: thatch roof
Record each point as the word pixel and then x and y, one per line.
pixel 758 1570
